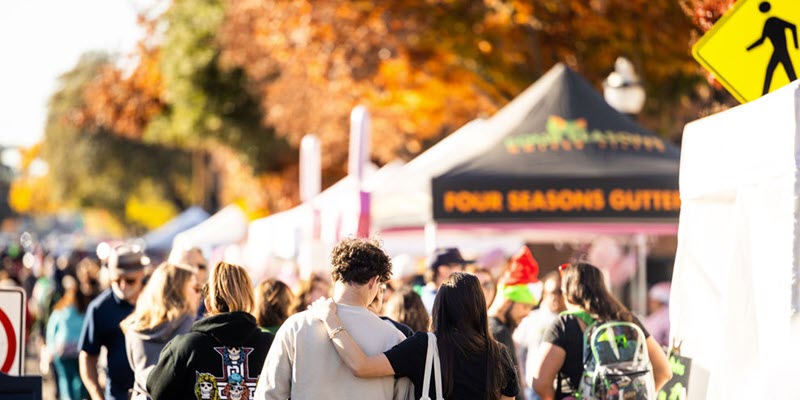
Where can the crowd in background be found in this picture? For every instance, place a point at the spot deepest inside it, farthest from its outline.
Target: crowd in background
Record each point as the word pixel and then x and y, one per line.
pixel 101 325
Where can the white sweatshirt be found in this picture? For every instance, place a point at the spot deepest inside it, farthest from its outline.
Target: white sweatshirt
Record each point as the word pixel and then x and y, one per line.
pixel 303 364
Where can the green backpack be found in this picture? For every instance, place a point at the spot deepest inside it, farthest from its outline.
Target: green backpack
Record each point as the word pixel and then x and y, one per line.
pixel 616 364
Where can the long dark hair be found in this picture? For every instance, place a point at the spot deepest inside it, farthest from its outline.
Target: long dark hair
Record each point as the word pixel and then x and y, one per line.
pixel 583 285
pixel 461 326
pixel 274 300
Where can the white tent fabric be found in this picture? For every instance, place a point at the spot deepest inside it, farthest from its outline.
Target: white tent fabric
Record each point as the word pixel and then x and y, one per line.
pixel 161 238
pixel 285 237
pixel 403 199
pixel 227 226
pixel 733 288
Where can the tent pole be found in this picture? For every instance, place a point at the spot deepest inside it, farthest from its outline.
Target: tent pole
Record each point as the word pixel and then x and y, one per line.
pixel 640 293
pixel 430 237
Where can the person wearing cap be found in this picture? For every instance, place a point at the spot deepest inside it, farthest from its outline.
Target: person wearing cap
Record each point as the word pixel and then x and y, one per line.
pixel 444 262
pixel 657 322
pixel 101 328
pixel 518 292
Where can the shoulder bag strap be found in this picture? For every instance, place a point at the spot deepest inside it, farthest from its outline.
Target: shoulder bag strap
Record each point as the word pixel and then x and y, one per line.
pixel 426 381
pixel 437 368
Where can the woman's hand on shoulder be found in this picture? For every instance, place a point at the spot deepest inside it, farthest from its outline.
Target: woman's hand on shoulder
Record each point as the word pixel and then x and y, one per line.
pixel 323 309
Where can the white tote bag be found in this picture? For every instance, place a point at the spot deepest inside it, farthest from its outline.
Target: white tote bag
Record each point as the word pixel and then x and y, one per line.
pixel 432 360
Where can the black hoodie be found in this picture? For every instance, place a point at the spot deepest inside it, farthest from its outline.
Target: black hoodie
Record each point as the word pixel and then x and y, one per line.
pixel 220 358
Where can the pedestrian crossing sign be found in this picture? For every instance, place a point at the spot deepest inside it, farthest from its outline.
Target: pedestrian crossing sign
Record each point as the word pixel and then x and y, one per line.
pixel 753 49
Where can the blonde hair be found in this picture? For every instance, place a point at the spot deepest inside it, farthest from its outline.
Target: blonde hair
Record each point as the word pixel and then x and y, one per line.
pixel 230 289
pixel 162 299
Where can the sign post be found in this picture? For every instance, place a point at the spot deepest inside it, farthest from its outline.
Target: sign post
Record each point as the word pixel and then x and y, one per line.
pixel 12 326
pixel 753 49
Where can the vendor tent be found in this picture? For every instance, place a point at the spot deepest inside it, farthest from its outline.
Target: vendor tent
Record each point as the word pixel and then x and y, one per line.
pixel 227 226
pixel 561 153
pixel 403 199
pixel 160 239
pixel 735 301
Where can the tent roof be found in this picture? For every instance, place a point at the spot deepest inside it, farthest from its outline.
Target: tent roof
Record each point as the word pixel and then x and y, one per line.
pixel 567 108
pixel 403 199
pixel 228 225
pixel 160 239
pixel 560 134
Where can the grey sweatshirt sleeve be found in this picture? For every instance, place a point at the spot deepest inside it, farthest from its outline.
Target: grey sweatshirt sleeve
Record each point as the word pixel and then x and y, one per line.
pixel 275 381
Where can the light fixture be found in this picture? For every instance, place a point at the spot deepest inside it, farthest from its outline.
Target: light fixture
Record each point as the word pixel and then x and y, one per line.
pixel 622 89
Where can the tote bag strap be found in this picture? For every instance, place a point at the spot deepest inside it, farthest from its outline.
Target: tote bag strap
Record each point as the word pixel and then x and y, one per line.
pixel 432 362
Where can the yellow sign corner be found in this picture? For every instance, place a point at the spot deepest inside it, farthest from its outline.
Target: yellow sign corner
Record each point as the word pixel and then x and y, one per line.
pixel 753 49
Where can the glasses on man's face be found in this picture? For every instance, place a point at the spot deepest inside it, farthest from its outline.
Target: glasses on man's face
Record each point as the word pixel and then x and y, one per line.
pixel 128 281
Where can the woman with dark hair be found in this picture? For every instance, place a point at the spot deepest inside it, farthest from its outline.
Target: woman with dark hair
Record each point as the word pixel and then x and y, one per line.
pixel 405 306
pixel 274 302
pixel 310 290
pixel 473 364
pixel 224 352
pixel 561 352
pixel 62 334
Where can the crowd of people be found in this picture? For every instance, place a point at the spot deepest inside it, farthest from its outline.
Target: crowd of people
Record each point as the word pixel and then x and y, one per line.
pixel 125 328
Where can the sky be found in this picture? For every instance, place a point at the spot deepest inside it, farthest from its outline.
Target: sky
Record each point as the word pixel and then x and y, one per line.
pixel 42 39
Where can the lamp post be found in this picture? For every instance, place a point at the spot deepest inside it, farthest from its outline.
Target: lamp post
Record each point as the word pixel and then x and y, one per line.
pixel 623 90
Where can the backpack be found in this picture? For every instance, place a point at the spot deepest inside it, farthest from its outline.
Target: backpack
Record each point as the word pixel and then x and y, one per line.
pixel 616 364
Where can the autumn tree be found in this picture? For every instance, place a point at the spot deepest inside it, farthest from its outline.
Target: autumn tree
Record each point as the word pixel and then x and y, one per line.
pixel 92 168
pixel 425 67
pixel 239 83
pixel 177 96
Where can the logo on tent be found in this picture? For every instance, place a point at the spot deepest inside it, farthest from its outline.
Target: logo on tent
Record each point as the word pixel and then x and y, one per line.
pixel 567 135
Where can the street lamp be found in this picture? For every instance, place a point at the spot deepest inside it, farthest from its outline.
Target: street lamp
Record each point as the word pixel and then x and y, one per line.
pixel 623 90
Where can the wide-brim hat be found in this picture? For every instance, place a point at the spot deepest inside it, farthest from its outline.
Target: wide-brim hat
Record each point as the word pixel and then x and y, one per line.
pixel 447 256
pixel 126 259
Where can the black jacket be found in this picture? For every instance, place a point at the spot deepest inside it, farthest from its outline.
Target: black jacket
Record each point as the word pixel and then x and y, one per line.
pixel 220 358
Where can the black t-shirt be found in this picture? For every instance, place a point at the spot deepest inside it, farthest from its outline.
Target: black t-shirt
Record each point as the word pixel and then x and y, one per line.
pixel 405 329
pixel 502 334
pixel 408 360
pixel 566 332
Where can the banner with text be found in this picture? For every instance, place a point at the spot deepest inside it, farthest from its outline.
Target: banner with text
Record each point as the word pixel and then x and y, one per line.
pixel 553 200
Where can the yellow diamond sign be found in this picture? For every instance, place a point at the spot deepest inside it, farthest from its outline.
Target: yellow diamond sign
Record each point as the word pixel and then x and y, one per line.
pixel 753 49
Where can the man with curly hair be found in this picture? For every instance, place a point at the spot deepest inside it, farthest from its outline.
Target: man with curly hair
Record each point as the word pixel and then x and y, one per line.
pixel 302 364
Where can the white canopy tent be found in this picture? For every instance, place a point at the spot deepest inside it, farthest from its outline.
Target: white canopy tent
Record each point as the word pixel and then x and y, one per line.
pixel 735 294
pixel 227 226
pixel 288 236
pixel 403 199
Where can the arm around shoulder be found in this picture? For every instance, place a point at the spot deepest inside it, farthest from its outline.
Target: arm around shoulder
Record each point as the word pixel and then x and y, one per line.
pixel 360 364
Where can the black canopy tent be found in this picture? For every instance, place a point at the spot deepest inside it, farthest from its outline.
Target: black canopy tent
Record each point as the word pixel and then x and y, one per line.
pixel 570 158
pixel 564 162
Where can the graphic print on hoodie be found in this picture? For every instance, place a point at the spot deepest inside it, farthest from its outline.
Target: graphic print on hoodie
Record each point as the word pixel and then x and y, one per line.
pixel 235 382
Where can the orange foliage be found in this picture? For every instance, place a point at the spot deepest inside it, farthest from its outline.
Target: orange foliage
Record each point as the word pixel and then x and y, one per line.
pixel 705 13
pixel 425 67
pixel 124 105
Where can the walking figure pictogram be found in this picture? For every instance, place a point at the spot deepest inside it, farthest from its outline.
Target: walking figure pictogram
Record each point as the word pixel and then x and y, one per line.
pixel 774 30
